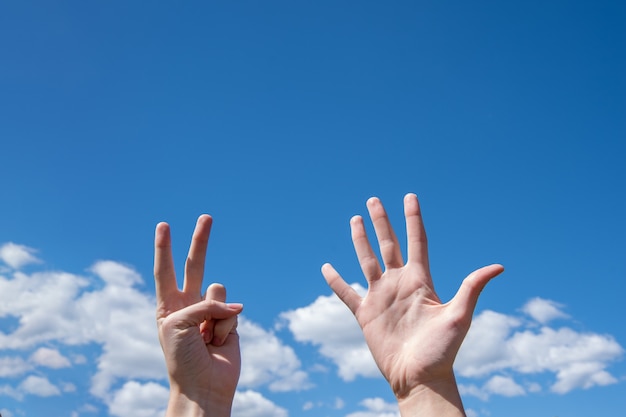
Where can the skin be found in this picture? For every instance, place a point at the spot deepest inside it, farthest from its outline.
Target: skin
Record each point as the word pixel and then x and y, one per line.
pixel 413 336
pixel 198 334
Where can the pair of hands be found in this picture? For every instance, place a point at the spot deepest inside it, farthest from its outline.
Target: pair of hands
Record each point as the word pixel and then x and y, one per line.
pixel 413 337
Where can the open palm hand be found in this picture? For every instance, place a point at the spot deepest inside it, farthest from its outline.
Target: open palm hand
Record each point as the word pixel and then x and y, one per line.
pixel 413 336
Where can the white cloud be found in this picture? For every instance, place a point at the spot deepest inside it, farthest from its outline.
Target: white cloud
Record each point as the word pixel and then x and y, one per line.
pixel 499 385
pixel 115 316
pixel 252 404
pixel 16 256
pixel 116 274
pixel 496 343
pixel 483 350
pixel 267 361
pixel 473 391
pixel 582 375
pixel 376 407
pixel 503 385
pixel 49 358
pixel 10 391
pixel 32 298
pixel 139 400
pixel 13 366
pixel 118 317
pixel 329 324
pixel 39 386
pixel 543 310
pixel 108 311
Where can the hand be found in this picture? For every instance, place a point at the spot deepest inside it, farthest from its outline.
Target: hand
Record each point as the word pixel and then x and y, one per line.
pixel 198 336
pixel 413 337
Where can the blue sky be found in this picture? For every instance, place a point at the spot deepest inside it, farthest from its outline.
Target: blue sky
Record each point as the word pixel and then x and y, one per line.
pixel 280 119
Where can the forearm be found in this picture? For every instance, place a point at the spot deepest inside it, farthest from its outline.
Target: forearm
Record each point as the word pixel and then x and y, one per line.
pixel 183 405
pixel 435 399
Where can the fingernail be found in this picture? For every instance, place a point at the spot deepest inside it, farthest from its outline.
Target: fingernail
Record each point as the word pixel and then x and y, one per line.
pixel 235 306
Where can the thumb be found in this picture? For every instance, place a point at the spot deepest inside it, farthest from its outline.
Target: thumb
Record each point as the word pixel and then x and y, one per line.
pixel 195 314
pixel 466 298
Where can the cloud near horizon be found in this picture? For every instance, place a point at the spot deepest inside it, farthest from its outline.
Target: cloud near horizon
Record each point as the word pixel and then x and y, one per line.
pixel 107 309
pixel 496 345
pixel 102 316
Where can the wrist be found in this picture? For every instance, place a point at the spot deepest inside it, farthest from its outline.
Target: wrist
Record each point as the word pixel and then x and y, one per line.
pixel 438 398
pixel 185 404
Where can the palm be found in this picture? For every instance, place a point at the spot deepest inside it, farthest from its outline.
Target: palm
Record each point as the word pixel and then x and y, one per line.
pixel 409 353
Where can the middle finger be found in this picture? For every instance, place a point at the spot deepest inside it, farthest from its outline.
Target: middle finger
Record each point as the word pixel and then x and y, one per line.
pixel 387 240
pixel 194 267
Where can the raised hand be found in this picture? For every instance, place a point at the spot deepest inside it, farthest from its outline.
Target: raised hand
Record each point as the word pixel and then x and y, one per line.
pixel 413 336
pixel 198 334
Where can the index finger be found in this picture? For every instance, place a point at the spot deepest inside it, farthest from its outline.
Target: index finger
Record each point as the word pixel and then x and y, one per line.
pixel 164 274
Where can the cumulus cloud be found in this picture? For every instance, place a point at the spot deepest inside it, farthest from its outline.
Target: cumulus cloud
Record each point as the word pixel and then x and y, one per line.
pixel 497 342
pixel 35 385
pixel 17 256
pixel 376 407
pixel 329 324
pixel 140 400
pixel 10 391
pixel 482 351
pixel 105 309
pixel 116 274
pixel 543 310
pixel 108 310
pixel 497 385
pixel 252 404
pixel 39 386
pixel 116 318
pixel 505 386
pixel 266 360
pixel 13 366
pixel 33 298
pixel 582 375
pixel 49 358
